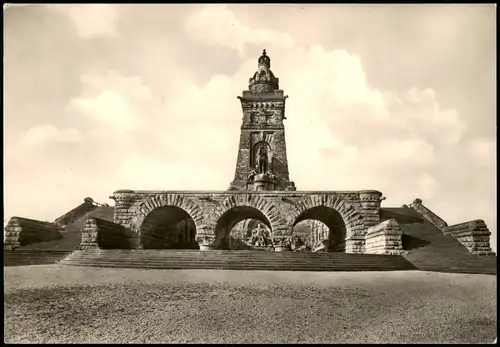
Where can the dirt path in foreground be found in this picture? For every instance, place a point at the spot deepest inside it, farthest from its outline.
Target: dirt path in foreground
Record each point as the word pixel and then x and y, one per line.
pixel 75 305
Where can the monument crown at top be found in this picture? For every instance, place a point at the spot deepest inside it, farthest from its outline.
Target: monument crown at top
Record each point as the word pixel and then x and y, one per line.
pixel 264 60
pixel 263 81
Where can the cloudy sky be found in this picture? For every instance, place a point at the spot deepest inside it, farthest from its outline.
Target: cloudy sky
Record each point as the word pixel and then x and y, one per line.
pixel 399 98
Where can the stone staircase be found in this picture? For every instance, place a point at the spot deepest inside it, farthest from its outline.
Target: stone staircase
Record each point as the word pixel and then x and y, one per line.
pixel 51 252
pixel 236 260
pixel 21 257
pixel 430 250
pixel 72 232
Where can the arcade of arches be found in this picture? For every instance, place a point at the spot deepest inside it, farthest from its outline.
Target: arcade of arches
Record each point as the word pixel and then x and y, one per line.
pixel 279 220
pixel 242 228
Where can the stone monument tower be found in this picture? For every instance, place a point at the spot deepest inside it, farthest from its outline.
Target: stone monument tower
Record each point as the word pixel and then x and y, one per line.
pixel 262 161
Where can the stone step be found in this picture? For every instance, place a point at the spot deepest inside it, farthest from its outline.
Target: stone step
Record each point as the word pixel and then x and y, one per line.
pixel 296 261
pixel 452 263
pixel 238 263
pixel 33 257
pixel 465 270
pixel 250 261
pixel 240 268
pixel 280 268
pixel 238 260
pixel 285 267
pixel 273 255
pixel 444 253
pixel 25 251
pixel 229 256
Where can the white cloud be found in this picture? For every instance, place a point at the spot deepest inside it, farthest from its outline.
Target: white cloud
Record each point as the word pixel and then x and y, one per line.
pixel 217 25
pixel 484 150
pixel 91 20
pixel 139 172
pixel 37 137
pixel 115 101
pixel 109 107
pixel 39 134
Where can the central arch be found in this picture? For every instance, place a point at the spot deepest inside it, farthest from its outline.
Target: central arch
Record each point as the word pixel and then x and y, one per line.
pixel 267 208
pixel 232 217
pixel 238 207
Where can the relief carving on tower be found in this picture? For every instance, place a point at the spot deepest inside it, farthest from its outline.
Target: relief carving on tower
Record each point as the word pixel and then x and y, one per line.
pixel 261 114
pixel 262 117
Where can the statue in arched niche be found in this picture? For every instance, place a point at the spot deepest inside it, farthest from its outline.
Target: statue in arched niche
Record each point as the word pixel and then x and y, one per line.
pixel 262 157
pixel 262 160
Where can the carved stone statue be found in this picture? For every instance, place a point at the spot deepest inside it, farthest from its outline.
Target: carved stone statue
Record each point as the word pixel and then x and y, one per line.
pixel 262 74
pixel 250 177
pixel 273 177
pixel 261 160
pixel 260 237
pixel 296 243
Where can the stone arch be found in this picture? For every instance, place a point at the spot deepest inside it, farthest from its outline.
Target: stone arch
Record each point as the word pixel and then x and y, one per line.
pixel 175 200
pixel 353 220
pixel 266 207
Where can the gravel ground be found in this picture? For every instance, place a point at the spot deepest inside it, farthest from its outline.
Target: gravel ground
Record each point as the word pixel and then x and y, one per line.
pixel 52 303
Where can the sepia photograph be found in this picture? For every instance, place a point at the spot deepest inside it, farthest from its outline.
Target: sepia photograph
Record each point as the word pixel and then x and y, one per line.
pixel 250 173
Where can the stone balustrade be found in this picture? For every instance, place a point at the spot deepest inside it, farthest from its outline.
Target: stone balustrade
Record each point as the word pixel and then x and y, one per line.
pixel 474 235
pixel 78 212
pixel 433 218
pixel 384 238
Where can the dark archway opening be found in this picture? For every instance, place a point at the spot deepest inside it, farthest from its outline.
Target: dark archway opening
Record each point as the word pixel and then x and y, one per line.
pixel 168 227
pixel 319 228
pixel 243 227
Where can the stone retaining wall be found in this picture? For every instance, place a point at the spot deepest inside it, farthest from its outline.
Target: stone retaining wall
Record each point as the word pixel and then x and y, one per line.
pixel 101 234
pixel 474 235
pixel 384 238
pixel 23 231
